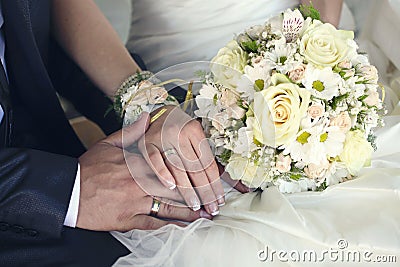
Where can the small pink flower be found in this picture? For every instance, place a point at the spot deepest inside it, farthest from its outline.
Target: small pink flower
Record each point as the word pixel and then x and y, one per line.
pixel 372 99
pixel 316 111
pixel 345 64
pixel 343 121
pixel 283 163
pixel 297 74
pixel 369 73
pixel 315 171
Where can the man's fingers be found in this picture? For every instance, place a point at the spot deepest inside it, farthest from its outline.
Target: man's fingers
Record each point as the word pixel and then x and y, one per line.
pixel 176 211
pixel 129 134
pixel 145 222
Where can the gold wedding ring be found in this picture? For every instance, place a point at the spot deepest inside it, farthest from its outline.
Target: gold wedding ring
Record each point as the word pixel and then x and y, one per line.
pixel 155 207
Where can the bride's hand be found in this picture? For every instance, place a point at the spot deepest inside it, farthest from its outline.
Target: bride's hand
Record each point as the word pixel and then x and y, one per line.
pixel 177 150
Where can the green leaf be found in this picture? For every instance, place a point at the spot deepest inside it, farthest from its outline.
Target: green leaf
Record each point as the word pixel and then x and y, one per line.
pixel 250 46
pixel 309 11
pixel 226 155
pixel 338 99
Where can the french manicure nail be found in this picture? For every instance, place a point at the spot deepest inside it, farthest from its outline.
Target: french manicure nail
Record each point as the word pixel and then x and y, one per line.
pixel 221 201
pixel 213 209
pixel 215 213
pixel 195 205
pixel 172 185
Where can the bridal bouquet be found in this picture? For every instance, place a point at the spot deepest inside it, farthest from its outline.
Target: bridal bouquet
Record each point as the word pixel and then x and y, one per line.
pixel 291 103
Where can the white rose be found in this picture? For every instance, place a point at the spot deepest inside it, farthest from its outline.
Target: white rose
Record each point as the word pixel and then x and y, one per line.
pixel 323 45
pixel 241 168
pixel 357 152
pixel 227 66
pixel 278 111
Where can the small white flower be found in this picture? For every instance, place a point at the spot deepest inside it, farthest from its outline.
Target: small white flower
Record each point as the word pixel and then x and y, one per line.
pixel 322 83
pixel 281 58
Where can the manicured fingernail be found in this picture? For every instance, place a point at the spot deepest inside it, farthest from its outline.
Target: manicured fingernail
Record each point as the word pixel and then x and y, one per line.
pixel 172 185
pixel 215 213
pixel 213 208
pixel 196 205
pixel 205 215
pixel 221 201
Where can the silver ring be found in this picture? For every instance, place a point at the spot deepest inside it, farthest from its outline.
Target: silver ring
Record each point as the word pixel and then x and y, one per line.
pixel 155 207
pixel 170 151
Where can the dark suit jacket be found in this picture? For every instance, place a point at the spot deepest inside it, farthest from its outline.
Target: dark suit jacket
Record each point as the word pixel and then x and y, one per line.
pixel 38 162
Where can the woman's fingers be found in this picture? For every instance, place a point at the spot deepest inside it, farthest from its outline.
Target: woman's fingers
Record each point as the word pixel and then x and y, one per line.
pixel 206 157
pixel 184 185
pixel 198 178
pixel 156 161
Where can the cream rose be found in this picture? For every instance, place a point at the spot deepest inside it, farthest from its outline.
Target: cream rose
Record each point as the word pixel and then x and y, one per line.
pixel 240 168
pixel 323 45
pixel 228 65
pixel 343 121
pixel 278 111
pixel 357 152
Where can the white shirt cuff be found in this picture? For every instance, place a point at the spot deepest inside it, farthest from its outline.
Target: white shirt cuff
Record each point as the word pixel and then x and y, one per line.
pixel 72 213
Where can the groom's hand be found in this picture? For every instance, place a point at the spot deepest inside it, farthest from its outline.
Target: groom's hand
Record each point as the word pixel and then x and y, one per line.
pixel 110 199
pixel 177 150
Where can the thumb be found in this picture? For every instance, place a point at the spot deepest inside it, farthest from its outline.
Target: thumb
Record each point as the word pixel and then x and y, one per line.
pixel 130 133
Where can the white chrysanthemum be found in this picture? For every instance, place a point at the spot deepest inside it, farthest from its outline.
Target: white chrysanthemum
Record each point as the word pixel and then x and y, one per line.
pixel 281 58
pixel 246 84
pixel 322 83
pixel 316 145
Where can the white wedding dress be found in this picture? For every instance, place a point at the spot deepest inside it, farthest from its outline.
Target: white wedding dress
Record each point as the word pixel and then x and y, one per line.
pixel 356 223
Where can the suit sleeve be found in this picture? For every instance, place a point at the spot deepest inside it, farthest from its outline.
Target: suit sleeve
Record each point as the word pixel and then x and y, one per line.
pixel 35 190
